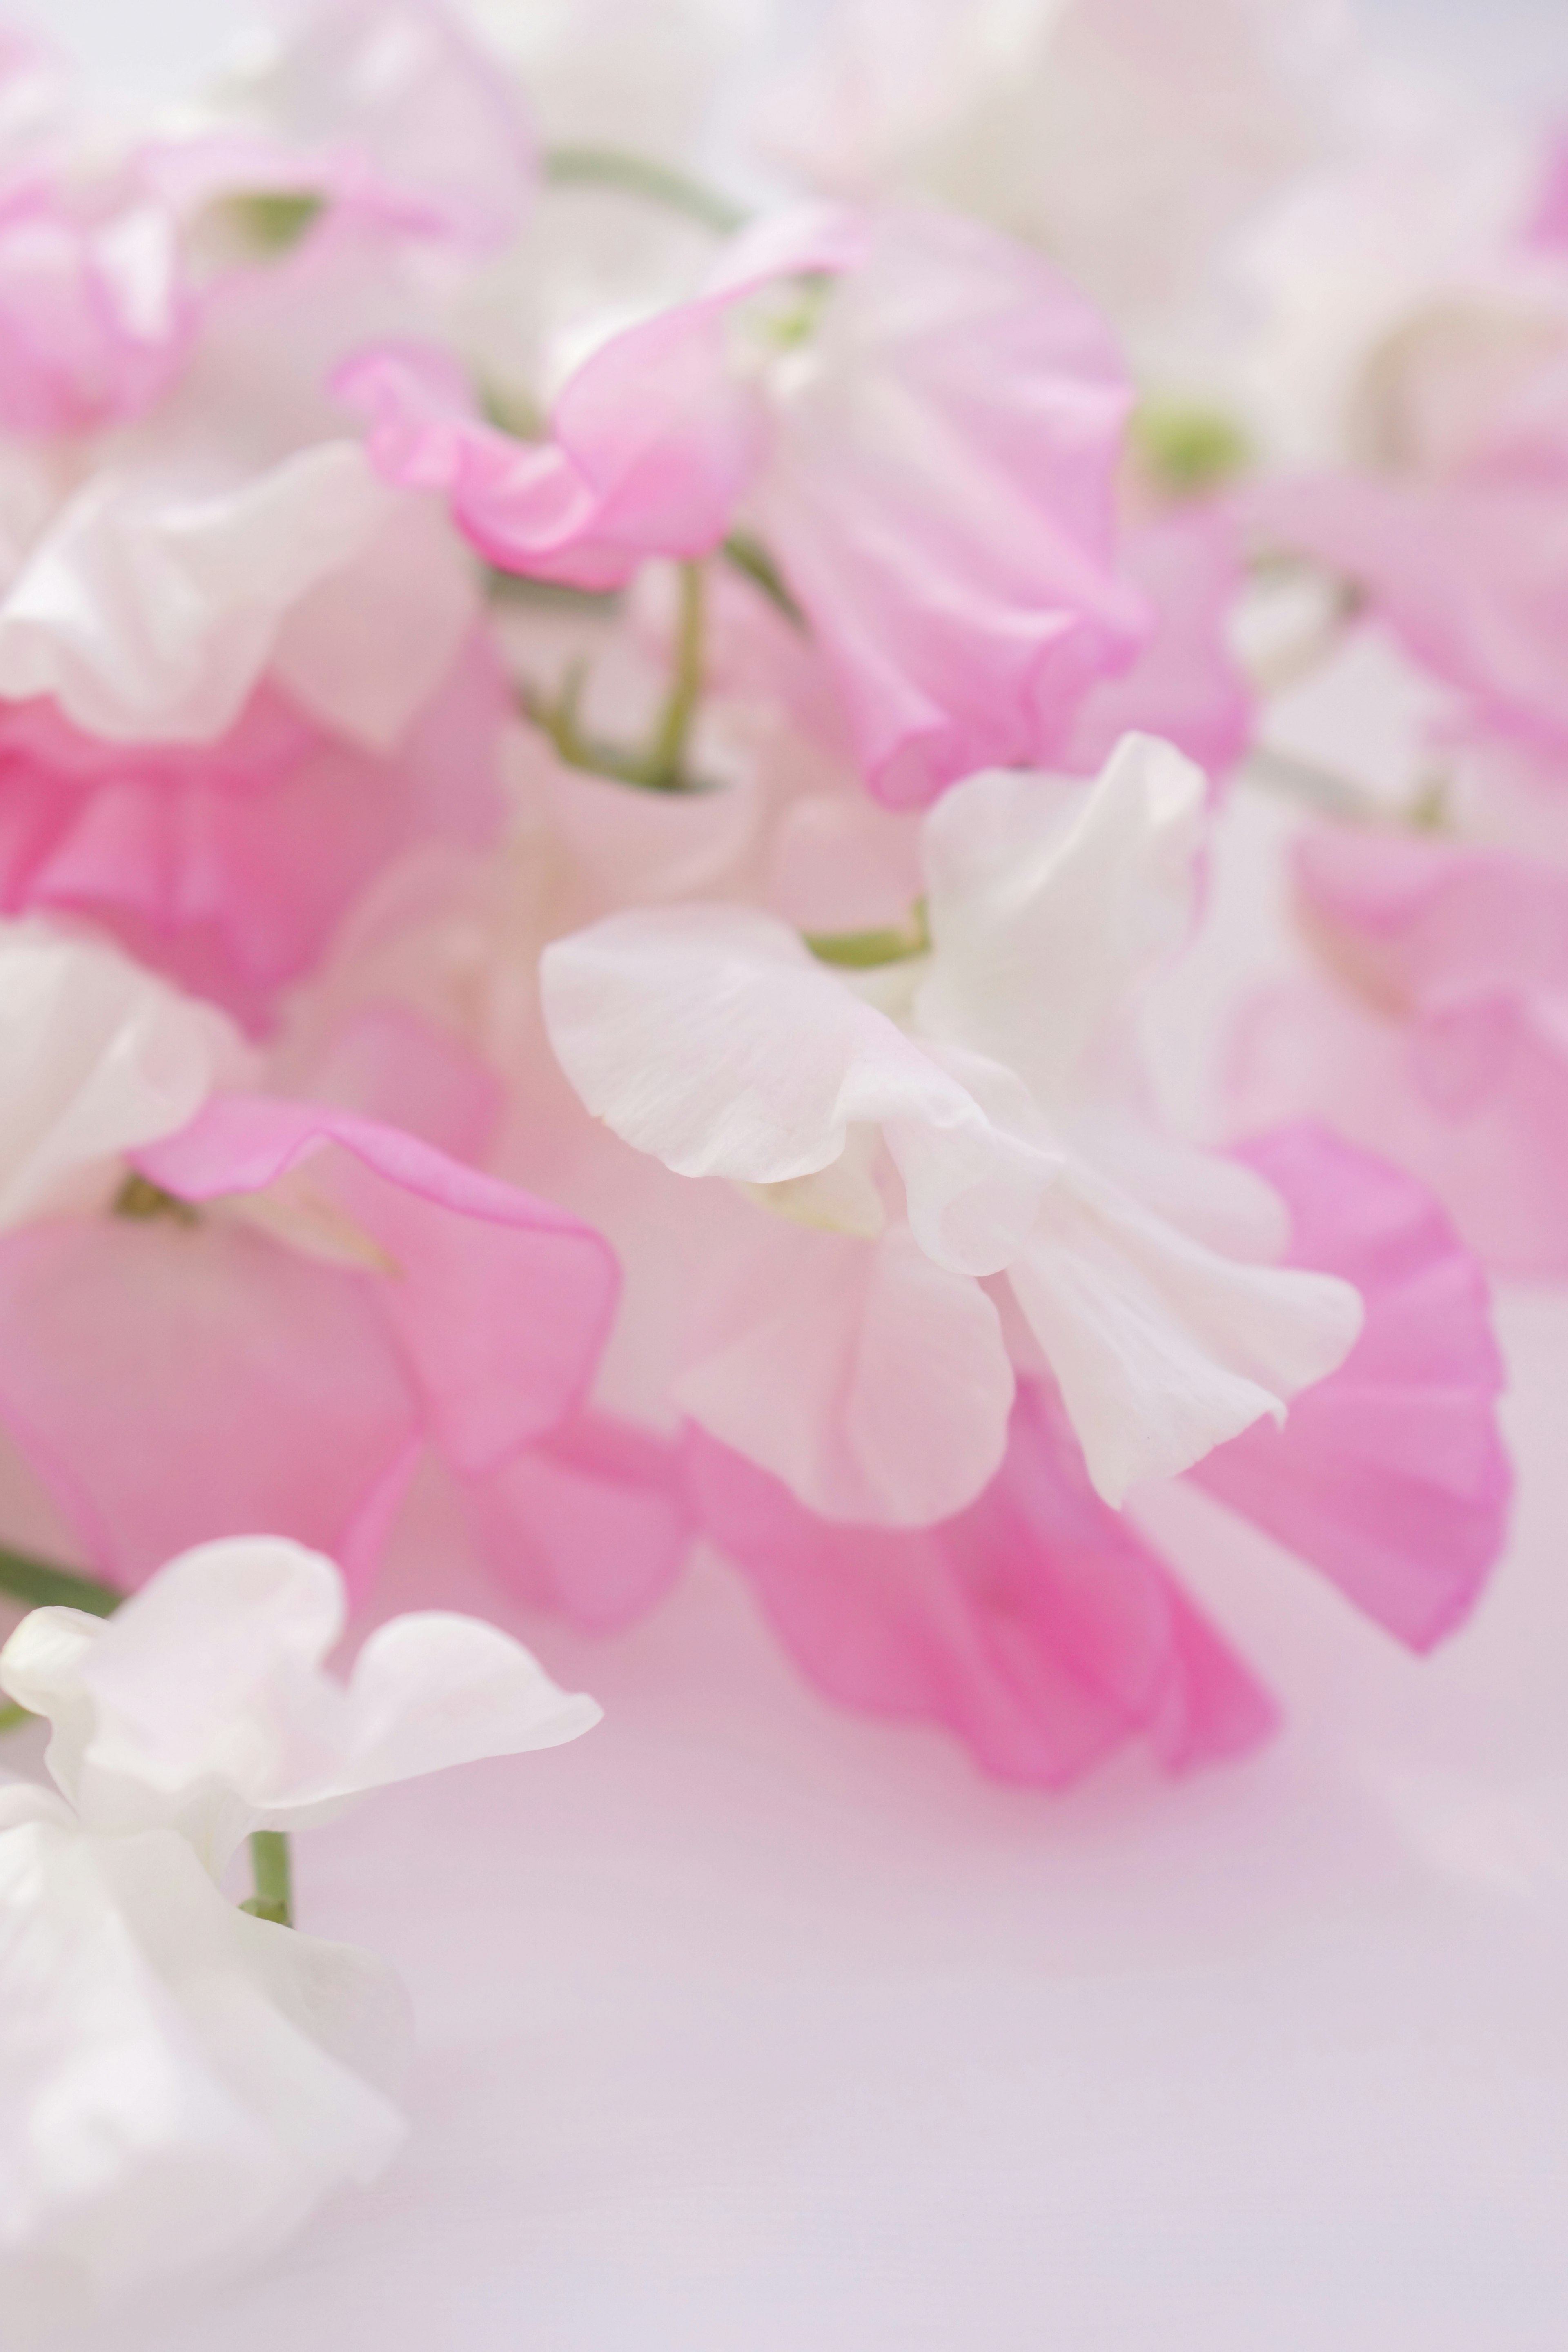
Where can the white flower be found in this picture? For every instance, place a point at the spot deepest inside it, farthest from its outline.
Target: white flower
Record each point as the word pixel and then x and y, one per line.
pixel 96 1055
pixel 712 1038
pixel 180 2082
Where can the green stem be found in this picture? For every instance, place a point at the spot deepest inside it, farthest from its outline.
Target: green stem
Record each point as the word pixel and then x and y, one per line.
pixel 13 1719
pixel 752 559
pixel 666 751
pixel 42 1585
pixel 864 951
pixel 270 1865
pixel 644 177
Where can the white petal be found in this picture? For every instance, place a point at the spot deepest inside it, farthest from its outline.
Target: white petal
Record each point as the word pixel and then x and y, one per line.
pixel 1047 899
pixel 149 611
pixel 95 1057
pixel 180 2084
pixel 875 1384
pixel 1164 1348
pixel 203 1704
pixel 710 1038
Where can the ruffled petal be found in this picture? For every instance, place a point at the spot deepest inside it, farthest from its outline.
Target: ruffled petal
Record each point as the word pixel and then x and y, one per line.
pixel 1036 1624
pixel 1389 1476
pixel 874 1383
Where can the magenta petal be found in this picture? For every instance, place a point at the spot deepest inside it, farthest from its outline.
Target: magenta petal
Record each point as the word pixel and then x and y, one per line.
pixel 498 1304
pixel 175 1384
pixel 593 1522
pixel 1390 1475
pixel 1036 1624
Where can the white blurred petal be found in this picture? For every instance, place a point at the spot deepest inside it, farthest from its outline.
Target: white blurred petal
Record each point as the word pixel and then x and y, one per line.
pixel 180 2084
pixel 95 1057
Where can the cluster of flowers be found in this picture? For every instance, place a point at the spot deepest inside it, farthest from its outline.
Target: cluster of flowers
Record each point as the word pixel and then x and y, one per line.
pixel 611 691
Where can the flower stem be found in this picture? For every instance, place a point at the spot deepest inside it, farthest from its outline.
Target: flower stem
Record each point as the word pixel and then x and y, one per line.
pixel 270 1865
pixel 42 1585
pixel 644 177
pixel 666 751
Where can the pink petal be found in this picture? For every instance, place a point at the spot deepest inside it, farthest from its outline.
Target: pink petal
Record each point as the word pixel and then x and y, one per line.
pixel 1036 1624
pixel 500 1305
pixel 1390 1475
pixel 1184 686
pixel 940 498
pixel 228 866
pixel 1489 620
pixel 652 439
pixel 172 1384
pixel 593 1522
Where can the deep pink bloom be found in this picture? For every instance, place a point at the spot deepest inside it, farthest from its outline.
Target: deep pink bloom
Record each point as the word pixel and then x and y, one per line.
pixel 1044 1631
pixel 226 864
pixel 344 1297
pixel 1436 1031
pixel 928 448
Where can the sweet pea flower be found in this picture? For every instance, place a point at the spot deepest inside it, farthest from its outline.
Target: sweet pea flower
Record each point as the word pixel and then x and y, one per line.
pixel 951 1116
pixel 228 864
pixel 1435 1028
pixel 185 2082
pixel 301 1299
pixel 1047 1631
pixel 919 418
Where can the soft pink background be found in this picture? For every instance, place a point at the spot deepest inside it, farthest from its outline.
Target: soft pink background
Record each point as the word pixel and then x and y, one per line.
pixel 749 2028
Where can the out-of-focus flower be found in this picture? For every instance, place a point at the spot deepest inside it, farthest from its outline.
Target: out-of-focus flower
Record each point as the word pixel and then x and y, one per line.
pixel 184 2083
pixel 919 419
pixel 1436 1029
pixel 951 1115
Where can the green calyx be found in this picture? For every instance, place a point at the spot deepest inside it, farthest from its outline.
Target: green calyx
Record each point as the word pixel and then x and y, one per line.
pixel 866 951
pixel 1187 449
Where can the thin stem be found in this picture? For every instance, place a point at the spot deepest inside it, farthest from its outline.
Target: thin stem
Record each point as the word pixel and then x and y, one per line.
pixel 666 751
pixel 42 1585
pixel 271 1868
pixel 644 177
pixel 14 1718
pixel 750 557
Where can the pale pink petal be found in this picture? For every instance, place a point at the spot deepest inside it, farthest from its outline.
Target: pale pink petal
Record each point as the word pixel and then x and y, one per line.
pixel 874 1383
pixel 1184 684
pixel 652 439
pixel 1390 1475
pixel 385 109
pixel 1036 1624
pixel 1469 571
pixel 592 1522
pixel 1437 1032
pixel 940 498
pixel 95 319
pixel 496 1304
pixel 172 1383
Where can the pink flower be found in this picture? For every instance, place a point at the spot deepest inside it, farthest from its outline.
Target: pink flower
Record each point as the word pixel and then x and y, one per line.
pixel 1436 1030
pixel 227 865
pixel 1046 1632
pixel 927 445
pixel 325 1299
